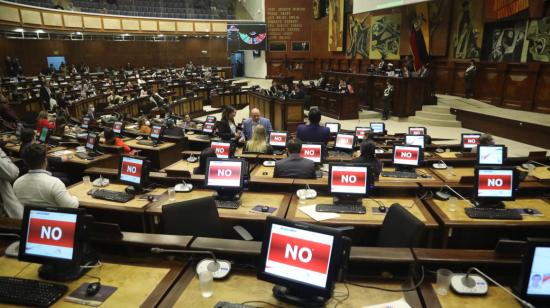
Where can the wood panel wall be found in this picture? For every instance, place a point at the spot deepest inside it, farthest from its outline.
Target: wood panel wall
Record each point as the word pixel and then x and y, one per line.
pixel 33 53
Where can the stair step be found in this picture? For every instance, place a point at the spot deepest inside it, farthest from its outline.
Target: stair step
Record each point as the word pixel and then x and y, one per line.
pixel 434 122
pixel 436 109
pixel 436 115
pixel 369 114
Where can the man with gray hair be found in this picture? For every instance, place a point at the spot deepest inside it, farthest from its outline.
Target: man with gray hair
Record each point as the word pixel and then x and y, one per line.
pixel 251 123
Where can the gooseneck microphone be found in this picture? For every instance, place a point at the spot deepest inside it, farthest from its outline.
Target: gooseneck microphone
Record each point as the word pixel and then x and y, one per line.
pixel 219 268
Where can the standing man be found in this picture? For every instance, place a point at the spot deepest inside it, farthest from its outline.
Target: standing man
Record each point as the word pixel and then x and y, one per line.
pixel 8 173
pixel 251 123
pixel 469 79
pixel 387 99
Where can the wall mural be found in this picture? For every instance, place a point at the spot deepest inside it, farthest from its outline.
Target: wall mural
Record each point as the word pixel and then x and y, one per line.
pixel 537 46
pixel 358 35
pixel 385 37
pixel 504 41
pixel 336 25
pixel 467 29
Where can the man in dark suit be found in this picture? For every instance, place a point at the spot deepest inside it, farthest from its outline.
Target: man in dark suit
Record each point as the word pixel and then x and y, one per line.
pixel 313 132
pixel 45 95
pixel 294 166
pixel 387 99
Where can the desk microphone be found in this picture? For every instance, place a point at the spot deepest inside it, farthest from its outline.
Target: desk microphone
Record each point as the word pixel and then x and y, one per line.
pixel 219 268
pixel 468 284
pixel 13 249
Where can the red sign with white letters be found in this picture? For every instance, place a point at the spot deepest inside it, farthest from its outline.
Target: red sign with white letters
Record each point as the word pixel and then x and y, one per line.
pixel 131 169
pixel 51 232
pixel 220 149
pixel 495 181
pixel 225 172
pixel 299 253
pixel 348 178
pixel 277 139
pixel 406 154
pixel 312 152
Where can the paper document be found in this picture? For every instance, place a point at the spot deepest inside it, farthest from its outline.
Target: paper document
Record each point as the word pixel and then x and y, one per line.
pixel 400 303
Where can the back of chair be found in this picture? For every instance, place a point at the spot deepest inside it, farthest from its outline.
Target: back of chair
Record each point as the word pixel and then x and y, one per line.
pixel 197 217
pixel 400 228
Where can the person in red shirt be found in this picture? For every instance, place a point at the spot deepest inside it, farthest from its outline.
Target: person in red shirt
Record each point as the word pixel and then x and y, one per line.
pixel 112 139
pixel 42 121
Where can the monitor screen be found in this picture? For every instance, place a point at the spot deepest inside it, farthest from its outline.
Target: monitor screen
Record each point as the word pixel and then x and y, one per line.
pixel 299 255
pixel 56 61
pixel 311 152
pixel 470 141
pixel 131 169
pixel 344 142
pixel 334 127
pixel 406 155
pixel 539 273
pixel 224 173
pixel 417 140
pixel 361 131
pixel 491 154
pixel 43 137
pixel 495 183
pixel 50 234
pixel 85 122
pixel 377 128
pixel 417 131
pixel 91 141
pixel 117 127
pixel 221 149
pixel 246 37
pixel 347 179
pixel 278 139
pixel 208 127
pixel 210 119
pixel 156 132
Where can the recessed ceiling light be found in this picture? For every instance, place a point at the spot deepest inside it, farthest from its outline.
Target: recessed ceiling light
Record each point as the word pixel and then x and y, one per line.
pixel 19 30
pixel 78 33
pixel 161 35
pixel 40 31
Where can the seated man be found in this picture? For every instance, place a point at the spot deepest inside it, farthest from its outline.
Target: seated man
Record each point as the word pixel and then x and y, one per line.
pixel 255 120
pixel 313 132
pixel 8 173
pixel 38 186
pixel 294 166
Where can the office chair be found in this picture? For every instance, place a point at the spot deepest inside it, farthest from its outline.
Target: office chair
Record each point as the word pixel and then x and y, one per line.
pixel 400 228
pixel 197 217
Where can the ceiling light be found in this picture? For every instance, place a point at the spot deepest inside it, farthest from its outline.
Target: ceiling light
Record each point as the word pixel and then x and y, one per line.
pixel 78 33
pixel 161 35
pixel 40 31
pixel 19 30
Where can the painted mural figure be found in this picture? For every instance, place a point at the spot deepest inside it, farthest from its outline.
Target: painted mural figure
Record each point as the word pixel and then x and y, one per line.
pixel 385 37
pixel 359 38
pixel 538 36
pixel 465 38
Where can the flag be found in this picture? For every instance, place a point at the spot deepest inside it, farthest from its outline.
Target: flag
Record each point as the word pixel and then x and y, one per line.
pixel 419 37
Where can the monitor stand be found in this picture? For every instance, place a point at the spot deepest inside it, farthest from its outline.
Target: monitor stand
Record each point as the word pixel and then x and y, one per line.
pixel 134 190
pixel 294 297
pixel 228 195
pixel 347 200
pixel 405 169
pixel 62 272
pixel 491 204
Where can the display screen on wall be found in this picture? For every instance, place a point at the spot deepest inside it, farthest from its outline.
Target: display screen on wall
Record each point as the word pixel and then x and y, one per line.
pixel 300 46
pixel 56 61
pixel 246 37
pixel 373 5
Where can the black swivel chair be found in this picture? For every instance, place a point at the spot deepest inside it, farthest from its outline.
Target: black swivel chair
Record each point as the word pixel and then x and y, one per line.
pixel 197 217
pixel 400 228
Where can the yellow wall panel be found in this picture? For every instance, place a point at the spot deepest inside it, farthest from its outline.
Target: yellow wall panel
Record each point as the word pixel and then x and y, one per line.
pixel 52 19
pixel 167 26
pixel 111 23
pixel 148 25
pixel 219 27
pixel 31 17
pixel 72 21
pixel 92 22
pixel 202 26
pixel 184 26
pixel 9 14
pixel 130 24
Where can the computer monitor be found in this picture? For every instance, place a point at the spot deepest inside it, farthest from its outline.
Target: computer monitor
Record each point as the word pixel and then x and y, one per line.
pixel 361 131
pixel 92 142
pixel 417 130
pixel 406 157
pixel 85 123
pixel 118 127
pixel 491 155
pixel 133 171
pixel 469 141
pixel 302 259
pixel 419 140
pixel 334 127
pixel 278 139
pixel 377 127
pixel 313 152
pixel 44 134
pixel 348 183
pixel 534 282
pixel 492 185
pixel 222 149
pixel 18 129
pixel 56 238
pixel 226 177
pixel 210 119
pixel 208 127
pixel 156 132
pixel 344 142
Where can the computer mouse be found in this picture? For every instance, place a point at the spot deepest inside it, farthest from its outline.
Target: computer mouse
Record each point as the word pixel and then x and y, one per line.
pixel 425 176
pixel 529 211
pixel 150 198
pixel 265 209
pixel 382 209
pixel 192 159
pixel 93 288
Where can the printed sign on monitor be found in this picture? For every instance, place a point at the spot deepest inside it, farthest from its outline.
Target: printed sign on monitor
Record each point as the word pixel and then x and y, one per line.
pixel 299 255
pixel 224 173
pixel 155 132
pixel 91 141
pixel 277 139
pixel 51 234
pixel 404 155
pixel 361 131
pixel 344 141
pixel 539 279
pixel 417 131
pixel 470 141
pixel 117 127
pixel 131 170
pixel 349 180
pixel 208 127
pixel 221 149
pixel 85 122
pixel 311 152
pixel 495 183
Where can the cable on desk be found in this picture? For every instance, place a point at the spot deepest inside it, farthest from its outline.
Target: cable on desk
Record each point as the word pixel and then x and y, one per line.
pixel 263 302
pixel 346 296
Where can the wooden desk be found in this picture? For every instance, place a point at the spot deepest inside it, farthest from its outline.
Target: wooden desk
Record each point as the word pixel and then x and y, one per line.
pixel 496 297
pixel 453 176
pixel 433 180
pixel 336 105
pixel 183 169
pixel 263 174
pixel 244 286
pixel 104 161
pixel 137 285
pixel 161 156
pixel 284 115
pixel 457 221
pixel 539 173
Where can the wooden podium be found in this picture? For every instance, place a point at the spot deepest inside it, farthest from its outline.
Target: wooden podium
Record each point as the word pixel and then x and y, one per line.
pixel 284 115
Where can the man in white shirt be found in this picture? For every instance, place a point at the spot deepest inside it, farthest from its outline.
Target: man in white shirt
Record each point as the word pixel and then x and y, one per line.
pixel 8 173
pixel 38 186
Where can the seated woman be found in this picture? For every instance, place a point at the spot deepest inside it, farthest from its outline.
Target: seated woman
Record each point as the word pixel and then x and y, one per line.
pixel 226 127
pixel 144 126
pixel 258 143
pixel 112 139
pixel 187 122
pixel 42 121
pixel 368 157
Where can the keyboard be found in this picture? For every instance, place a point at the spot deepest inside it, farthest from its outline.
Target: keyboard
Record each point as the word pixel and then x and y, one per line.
pixel 221 204
pixel 109 195
pixel 202 137
pixel 222 304
pixel 26 292
pixel 344 208
pixel 84 156
pixel 399 174
pixel 338 154
pixel 488 213
pixel 146 142
pixel 278 152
